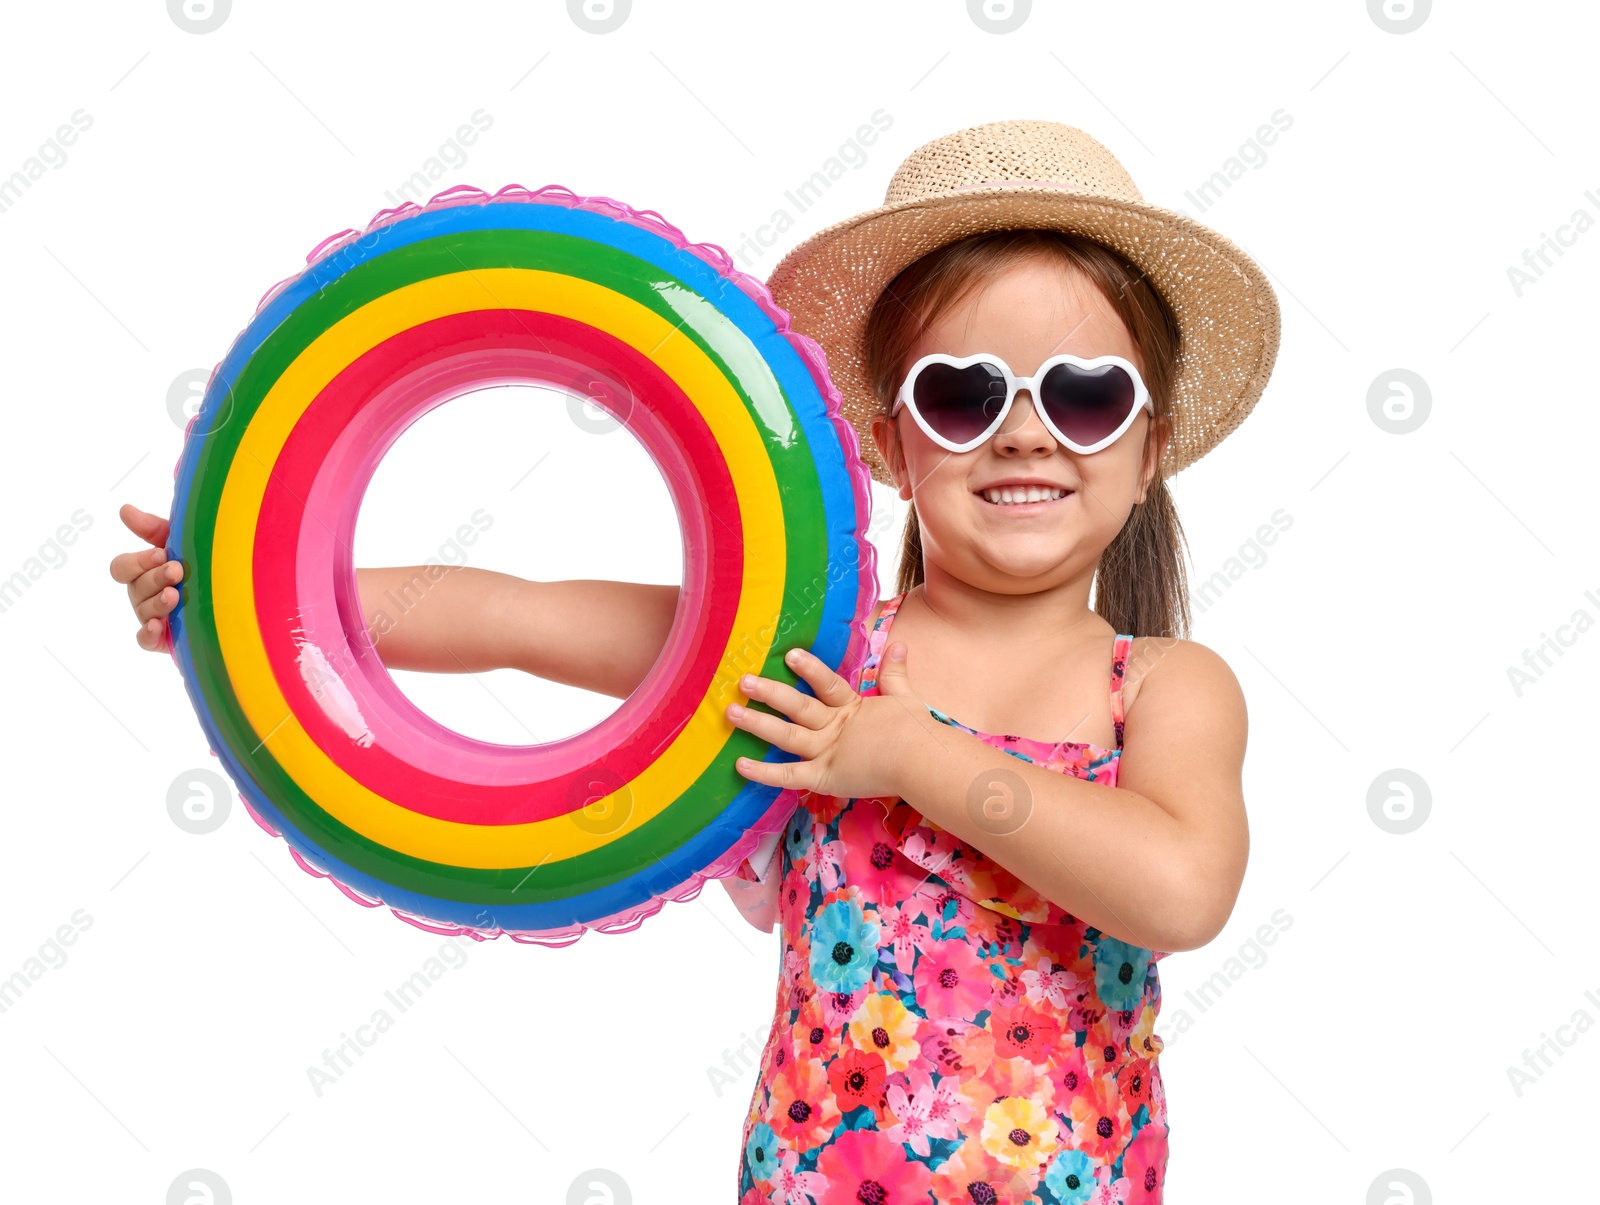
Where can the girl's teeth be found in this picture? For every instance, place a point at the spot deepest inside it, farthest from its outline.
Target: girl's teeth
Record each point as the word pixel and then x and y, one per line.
pixel 1011 494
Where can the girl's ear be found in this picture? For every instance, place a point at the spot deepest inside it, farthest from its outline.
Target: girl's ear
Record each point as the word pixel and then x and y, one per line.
pixel 1155 445
pixel 887 436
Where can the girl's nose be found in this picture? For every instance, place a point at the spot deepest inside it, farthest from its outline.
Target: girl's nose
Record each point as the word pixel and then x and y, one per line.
pixel 1023 425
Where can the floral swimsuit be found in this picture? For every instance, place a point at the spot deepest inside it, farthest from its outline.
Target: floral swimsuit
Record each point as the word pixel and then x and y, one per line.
pixel 943 1033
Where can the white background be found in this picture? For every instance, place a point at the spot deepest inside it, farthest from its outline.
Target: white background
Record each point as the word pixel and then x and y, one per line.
pixel 1374 1034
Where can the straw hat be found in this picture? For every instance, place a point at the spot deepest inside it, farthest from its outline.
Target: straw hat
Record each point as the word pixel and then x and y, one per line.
pixel 1040 174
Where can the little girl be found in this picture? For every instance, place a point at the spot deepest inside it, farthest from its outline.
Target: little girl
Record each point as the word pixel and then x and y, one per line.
pixel 971 916
pixel 968 987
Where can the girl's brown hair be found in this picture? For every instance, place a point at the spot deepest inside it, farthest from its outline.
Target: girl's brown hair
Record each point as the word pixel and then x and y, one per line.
pixel 1140 586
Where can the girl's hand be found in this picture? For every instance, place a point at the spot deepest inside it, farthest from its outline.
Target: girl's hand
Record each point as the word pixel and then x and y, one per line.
pixel 849 743
pixel 150 577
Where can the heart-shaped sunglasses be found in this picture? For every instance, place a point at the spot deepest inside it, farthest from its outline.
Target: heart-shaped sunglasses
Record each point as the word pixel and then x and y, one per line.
pixel 961 401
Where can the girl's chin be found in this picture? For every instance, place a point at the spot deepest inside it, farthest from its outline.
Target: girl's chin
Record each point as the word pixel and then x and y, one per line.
pixel 1022 560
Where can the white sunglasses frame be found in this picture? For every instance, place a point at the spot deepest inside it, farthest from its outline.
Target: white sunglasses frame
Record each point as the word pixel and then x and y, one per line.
pixel 1014 383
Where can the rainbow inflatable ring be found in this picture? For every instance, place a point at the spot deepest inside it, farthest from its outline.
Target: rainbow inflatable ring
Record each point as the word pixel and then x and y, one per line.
pixel 453 834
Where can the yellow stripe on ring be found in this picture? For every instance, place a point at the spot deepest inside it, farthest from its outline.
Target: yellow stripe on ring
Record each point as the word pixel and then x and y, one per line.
pixel 382 820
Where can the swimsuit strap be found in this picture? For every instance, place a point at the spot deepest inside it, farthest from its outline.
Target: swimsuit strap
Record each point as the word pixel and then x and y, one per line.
pixel 869 672
pixel 1120 652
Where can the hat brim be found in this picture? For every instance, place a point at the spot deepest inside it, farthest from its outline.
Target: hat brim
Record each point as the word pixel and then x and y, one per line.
pixel 1226 310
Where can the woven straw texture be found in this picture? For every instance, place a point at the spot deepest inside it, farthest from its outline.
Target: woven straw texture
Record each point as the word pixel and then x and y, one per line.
pixel 1011 174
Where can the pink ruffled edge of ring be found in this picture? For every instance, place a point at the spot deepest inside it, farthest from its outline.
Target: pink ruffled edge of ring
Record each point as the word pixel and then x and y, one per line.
pixel 777 815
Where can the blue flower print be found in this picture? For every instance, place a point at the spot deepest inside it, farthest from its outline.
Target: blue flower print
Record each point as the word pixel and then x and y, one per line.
pixel 1071 1178
pixel 761 1152
pixel 797 837
pixel 1119 973
pixel 844 948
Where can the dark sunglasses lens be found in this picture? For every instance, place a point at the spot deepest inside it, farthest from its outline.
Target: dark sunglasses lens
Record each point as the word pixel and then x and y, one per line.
pixel 1088 404
pixel 959 403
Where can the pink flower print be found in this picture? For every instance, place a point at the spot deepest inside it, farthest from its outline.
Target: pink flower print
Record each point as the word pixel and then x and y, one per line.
pixel 1106 1190
pixel 899 929
pixel 931 896
pixel 1070 1071
pixel 1123 1022
pixel 875 642
pixel 1144 1165
pixel 797 961
pixel 1048 982
pixel 947 1108
pixel 791 1186
pixel 926 1111
pixel 870 858
pixel 1010 991
pixel 952 981
pixel 795 891
pixel 918 844
pixel 838 1007
pixel 824 863
pixel 938 851
pixel 779 1054
pixel 943 1046
pixel 866 1165
pixel 1087 1011
pixel 1158 1095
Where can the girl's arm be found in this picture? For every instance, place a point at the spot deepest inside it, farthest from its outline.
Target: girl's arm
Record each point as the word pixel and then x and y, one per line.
pixel 1156 861
pixel 598 635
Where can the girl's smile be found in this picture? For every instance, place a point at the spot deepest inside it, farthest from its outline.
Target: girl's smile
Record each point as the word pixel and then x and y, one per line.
pixel 1024 495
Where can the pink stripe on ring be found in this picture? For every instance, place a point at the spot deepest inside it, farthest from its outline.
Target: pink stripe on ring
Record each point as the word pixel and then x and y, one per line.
pixel 308 601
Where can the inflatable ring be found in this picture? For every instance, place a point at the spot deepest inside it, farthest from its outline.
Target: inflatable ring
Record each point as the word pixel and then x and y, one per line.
pixel 595 831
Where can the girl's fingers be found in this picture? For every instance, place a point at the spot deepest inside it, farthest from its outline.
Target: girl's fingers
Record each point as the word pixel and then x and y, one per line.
pixel 791 738
pixel 158 605
pixel 780 696
pixel 126 566
pixel 789 775
pixel 152 529
pixel 149 636
pixel 829 686
pixel 155 592
pixel 156 578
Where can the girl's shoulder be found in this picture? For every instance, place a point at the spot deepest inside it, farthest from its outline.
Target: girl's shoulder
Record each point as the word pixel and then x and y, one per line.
pixel 1177 669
